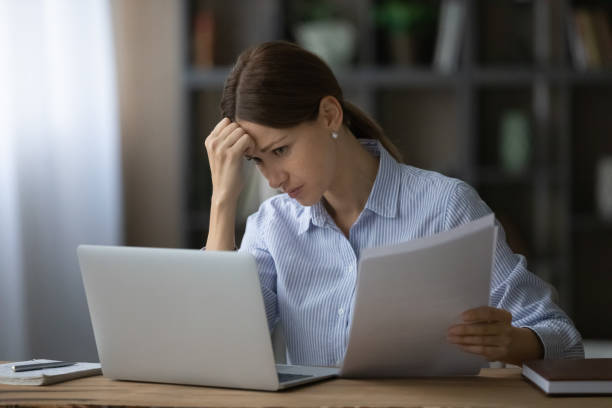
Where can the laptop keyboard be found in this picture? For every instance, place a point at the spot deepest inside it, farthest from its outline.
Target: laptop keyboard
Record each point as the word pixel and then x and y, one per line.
pixel 283 377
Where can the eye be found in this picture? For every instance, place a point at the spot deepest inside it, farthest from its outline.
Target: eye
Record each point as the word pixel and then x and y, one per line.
pixel 255 159
pixel 279 151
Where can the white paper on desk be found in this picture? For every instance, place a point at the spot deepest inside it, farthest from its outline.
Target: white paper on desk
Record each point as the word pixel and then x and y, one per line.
pixel 47 375
pixel 407 297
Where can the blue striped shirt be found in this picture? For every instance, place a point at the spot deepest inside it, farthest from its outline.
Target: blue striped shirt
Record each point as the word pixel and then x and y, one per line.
pixel 308 268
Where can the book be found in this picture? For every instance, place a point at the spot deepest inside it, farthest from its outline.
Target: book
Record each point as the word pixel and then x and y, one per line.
pixel 590 376
pixel 204 39
pixel 48 375
pixel 450 36
pixel 584 22
pixel 576 43
pixel 603 36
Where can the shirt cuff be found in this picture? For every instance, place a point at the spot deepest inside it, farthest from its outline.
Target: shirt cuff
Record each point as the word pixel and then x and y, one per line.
pixel 553 345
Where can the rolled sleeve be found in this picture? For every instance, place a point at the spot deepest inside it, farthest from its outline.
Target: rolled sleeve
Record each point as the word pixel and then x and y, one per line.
pixel 514 288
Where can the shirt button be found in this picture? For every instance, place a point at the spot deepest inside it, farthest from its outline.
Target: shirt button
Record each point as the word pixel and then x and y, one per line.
pixel 340 311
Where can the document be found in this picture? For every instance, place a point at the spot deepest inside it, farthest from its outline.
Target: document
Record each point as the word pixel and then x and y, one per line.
pixel 48 375
pixel 409 294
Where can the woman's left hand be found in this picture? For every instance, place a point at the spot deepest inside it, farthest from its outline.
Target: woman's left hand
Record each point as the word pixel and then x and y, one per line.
pixel 488 331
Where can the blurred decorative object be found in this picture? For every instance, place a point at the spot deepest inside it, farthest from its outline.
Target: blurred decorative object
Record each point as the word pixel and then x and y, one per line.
pixel 203 38
pixel 321 31
pixel 590 39
pixel 332 40
pixel 451 28
pixel 515 141
pixel 604 187
pixel 407 26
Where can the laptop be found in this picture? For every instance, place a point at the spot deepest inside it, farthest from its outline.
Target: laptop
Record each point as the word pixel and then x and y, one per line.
pixel 185 317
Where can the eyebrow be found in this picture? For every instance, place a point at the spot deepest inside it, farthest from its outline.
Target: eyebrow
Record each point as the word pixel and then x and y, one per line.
pixel 265 149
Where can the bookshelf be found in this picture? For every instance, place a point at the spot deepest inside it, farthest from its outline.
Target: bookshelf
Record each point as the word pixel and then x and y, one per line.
pixel 516 69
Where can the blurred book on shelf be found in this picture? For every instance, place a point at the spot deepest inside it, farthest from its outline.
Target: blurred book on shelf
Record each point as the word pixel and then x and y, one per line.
pixel 590 39
pixel 451 28
pixel 203 38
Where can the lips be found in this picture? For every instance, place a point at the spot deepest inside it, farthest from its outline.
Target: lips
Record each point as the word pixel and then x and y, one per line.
pixel 295 192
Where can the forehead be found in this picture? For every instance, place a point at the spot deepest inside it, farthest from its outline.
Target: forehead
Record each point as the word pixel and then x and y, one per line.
pixel 262 135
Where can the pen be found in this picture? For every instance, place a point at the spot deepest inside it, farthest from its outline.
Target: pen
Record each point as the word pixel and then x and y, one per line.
pixel 40 366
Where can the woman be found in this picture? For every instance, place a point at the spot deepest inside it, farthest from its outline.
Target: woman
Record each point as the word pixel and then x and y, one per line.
pixel 346 190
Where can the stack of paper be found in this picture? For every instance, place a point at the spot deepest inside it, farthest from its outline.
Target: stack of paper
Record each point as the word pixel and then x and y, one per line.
pixel 409 294
pixel 47 375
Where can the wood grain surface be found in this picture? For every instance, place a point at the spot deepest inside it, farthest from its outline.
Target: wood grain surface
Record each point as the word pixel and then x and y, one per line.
pixel 493 388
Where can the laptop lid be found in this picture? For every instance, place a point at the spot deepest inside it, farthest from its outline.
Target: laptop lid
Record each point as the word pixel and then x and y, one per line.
pixel 164 315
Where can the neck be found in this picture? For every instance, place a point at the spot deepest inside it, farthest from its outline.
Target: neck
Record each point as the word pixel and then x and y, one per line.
pixel 353 180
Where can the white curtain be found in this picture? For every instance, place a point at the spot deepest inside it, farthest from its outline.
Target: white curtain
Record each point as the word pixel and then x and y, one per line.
pixel 59 170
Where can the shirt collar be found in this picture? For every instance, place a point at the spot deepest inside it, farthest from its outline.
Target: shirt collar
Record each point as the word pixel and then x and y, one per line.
pixel 385 191
pixel 383 197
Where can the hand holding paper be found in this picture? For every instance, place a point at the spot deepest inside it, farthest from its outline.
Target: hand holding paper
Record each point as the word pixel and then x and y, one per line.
pixel 488 331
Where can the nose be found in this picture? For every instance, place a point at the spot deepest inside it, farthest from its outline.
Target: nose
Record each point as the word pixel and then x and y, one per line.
pixel 276 178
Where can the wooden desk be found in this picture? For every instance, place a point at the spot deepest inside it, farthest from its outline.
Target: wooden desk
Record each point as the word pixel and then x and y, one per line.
pixel 493 388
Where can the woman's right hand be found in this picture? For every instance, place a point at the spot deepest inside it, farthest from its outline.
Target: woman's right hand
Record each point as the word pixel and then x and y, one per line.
pixel 226 146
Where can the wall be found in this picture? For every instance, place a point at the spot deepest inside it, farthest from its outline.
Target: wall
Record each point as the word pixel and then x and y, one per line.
pixel 148 46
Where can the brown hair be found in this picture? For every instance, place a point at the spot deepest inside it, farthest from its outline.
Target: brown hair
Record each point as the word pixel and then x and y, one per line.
pixel 279 84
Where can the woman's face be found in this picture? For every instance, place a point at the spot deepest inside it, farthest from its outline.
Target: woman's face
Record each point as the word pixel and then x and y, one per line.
pixel 301 160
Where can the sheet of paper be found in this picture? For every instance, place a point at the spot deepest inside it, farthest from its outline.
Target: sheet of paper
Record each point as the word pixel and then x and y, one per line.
pixel 409 294
pixel 47 375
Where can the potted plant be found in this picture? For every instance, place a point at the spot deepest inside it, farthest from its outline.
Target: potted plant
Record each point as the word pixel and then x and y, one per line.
pixel 322 32
pixel 407 26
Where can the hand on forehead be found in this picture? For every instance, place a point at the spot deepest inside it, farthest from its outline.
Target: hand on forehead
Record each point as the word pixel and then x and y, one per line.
pixel 263 137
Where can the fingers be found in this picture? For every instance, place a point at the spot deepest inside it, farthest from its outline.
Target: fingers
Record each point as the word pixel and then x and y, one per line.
pixel 478 329
pixel 230 137
pixel 219 126
pixel 224 136
pixel 496 341
pixel 242 145
pixel 212 141
pixel 486 314
pixel 487 331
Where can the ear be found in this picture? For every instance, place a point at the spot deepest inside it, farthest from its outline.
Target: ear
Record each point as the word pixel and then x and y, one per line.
pixel 330 113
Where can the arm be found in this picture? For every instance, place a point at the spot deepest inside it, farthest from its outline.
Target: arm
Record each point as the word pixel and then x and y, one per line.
pixel 253 242
pixel 523 322
pixel 226 145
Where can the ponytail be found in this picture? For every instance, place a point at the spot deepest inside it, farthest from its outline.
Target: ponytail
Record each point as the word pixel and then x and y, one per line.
pixel 364 127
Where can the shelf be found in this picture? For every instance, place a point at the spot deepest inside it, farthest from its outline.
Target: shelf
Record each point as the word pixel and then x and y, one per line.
pixel 494 175
pixel 380 77
pixel 593 77
pixel 452 122
pixel 590 222
pixel 213 78
pixel 398 77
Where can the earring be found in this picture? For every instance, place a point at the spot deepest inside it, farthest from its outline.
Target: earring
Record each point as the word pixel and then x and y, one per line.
pixel 334 135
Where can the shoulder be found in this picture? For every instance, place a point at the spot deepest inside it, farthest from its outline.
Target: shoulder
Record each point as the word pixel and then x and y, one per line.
pixel 418 182
pixel 453 199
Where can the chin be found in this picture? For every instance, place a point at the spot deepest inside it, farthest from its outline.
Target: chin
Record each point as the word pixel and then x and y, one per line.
pixel 307 201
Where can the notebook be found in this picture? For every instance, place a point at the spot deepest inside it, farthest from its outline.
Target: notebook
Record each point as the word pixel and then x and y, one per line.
pixel 47 375
pixel 590 376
